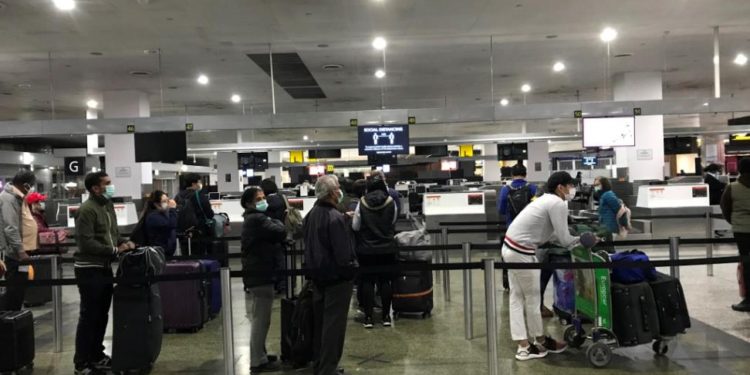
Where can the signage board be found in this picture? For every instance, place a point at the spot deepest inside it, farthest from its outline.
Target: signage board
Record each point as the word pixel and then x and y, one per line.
pixel 385 140
pixel 75 166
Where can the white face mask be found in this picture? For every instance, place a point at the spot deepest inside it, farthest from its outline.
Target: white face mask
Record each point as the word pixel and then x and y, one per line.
pixel 571 194
pixel 164 206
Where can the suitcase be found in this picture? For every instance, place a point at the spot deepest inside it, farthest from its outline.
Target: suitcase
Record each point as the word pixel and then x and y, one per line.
pixel 213 287
pixel 17 338
pixel 39 295
pixel 137 327
pixel 634 316
pixel 412 293
pixel 670 304
pixel 185 303
pixel 220 250
pixel 564 294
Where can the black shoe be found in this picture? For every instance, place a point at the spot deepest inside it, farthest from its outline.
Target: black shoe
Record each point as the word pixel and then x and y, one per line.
pixel 88 369
pixel 368 322
pixel 387 321
pixel 743 306
pixel 266 367
pixel 104 364
pixel 272 358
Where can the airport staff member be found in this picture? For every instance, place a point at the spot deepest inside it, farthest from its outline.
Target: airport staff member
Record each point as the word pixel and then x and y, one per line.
pixel 735 205
pixel 16 236
pixel 543 220
pixel 99 242
pixel 332 263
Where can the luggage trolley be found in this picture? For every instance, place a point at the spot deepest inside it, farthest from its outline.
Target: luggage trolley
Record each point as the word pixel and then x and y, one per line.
pixel 593 301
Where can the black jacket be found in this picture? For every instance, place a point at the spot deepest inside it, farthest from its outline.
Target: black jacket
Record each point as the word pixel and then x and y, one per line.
pixel 161 230
pixel 262 241
pixel 715 189
pixel 375 224
pixel 276 206
pixel 329 248
pixel 198 203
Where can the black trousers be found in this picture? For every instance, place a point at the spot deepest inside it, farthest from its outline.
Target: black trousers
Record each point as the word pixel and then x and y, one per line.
pixel 14 295
pixel 367 282
pixel 545 276
pixel 96 299
pixel 743 245
pixel 330 311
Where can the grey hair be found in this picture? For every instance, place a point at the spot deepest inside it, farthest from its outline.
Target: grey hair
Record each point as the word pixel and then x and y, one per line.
pixel 326 185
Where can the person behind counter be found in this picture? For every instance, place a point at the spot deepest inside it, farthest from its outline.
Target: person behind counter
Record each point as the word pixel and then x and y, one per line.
pixel 735 206
pixel 609 205
pixel 715 186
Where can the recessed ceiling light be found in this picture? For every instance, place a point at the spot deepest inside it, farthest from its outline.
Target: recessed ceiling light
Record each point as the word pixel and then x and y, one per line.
pixel 705 104
pixel 93 104
pixel 380 73
pixel 504 102
pixel 741 59
pixel 96 53
pixel 525 87
pixel 608 34
pixel 558 66
pixel 236 98
pixel 203 79
pixel 330 67
pixel 24 86
pixel 150 51
pixel 304 137
pixel 379 43
pixel 65 5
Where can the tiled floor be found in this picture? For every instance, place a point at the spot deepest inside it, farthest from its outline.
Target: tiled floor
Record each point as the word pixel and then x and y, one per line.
pixel 717 343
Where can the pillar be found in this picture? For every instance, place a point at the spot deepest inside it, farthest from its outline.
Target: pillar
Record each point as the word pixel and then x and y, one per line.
pixel 127 175
pixel 645 161
pixel 491 168
pixel 229 179
pixel 274 158
pixel 538 166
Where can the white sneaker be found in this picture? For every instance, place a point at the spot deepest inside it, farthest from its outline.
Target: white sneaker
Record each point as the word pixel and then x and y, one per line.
pixel 529 352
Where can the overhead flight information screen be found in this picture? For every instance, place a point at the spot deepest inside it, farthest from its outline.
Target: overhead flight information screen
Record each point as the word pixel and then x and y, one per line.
pixel 609 132
pixel 383 140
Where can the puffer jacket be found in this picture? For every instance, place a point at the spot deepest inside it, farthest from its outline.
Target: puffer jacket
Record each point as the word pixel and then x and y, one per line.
pixel 374 222
pixel 262 241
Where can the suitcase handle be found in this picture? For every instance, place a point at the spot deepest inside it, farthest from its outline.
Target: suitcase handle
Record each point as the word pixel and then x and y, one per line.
pixel 644 313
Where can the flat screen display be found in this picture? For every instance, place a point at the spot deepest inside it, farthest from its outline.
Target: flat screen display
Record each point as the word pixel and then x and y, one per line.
pixel 589 161
pixel 317 170
pixel 383 140
pixel 324 154
pixel 164 147
pixel 257 161
pixel 448 165
pixel 512 151
pixel 432 150
pixel 609 132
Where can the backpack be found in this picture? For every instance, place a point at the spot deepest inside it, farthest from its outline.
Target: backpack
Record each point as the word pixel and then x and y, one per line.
pixel 627 275
pixel 623 220
pixel 518 199
pixel 187 217
pixel 292 221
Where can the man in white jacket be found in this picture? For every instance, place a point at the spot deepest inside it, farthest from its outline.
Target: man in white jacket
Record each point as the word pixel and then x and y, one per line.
pixel 543 220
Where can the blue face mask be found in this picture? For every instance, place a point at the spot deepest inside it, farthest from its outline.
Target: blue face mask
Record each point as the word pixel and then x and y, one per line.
pixel 261 206
pixel 109 192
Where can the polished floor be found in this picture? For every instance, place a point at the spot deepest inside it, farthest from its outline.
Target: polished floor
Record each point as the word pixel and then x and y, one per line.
pixel 719 341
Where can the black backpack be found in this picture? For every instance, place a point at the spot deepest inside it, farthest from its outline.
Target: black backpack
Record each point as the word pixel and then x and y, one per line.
pixel 187 216
pixel 518 199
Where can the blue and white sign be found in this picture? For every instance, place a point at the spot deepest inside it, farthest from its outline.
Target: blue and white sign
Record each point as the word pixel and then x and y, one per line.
pixel 589 161
pixel 383 140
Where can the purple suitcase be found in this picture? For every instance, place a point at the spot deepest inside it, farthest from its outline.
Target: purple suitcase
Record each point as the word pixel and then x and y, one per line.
pixel 184 303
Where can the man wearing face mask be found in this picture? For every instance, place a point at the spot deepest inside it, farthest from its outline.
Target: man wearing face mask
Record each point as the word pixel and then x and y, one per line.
pixel 99 242
pixel 193 210
pixel 18 235
pixel 332 263
pixel 262 241
pixel 543 220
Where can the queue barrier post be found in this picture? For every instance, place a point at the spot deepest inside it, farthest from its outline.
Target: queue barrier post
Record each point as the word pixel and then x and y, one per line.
pixel 490 295
pixel 446 273
pixel 57 331
pixel 709 246
pixel 468 298
pixel 226 311
pixel 674 254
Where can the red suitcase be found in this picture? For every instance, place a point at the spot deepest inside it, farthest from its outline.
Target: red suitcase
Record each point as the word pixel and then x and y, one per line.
pixel 184 303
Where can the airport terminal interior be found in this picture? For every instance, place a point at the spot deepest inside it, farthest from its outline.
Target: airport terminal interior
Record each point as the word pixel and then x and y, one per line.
pixel 450 103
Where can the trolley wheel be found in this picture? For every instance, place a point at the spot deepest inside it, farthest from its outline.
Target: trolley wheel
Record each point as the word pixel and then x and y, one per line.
pixel 572 337
pixel 599 354
pixel 660 347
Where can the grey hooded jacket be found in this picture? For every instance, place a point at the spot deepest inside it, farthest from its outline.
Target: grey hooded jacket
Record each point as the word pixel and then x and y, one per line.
pixel 10 223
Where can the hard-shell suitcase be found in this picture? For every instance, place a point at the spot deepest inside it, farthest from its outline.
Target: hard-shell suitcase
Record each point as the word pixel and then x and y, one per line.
pixel 39 295
pixel 185 303
pixel 137 327
pixel 412 293
pixel 671 306
pixel 634 316
pixel 220 250
pixel 213 287
pixel 17 338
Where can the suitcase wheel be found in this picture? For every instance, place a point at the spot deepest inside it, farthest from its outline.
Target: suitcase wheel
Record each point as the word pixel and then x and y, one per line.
pixel 573 338
pixel 660 347
pixel 599 354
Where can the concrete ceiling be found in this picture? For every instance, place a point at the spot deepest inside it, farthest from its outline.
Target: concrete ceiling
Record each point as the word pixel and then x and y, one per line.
pixel 438 50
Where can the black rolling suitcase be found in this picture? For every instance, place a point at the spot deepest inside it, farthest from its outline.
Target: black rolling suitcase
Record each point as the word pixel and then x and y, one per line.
pixel 17 338
pixel 671 306
pixel 634 316
pixel 39 295
pixel 412 293
pixel 137 314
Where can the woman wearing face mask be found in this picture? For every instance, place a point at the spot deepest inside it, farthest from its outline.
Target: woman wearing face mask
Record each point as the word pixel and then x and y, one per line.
pixel 609 205
pixel 262 240
pixel 160 223
pixel 36 202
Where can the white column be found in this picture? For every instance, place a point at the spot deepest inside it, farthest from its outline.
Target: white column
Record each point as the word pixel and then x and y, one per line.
pixel 646 160
pixel 491 169
pixel 274 157
pixel 126 174
pixel 538 167
pixel 227 173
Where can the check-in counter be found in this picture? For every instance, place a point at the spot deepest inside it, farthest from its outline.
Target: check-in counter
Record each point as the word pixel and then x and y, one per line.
pixel 456 207
pixel 125 213
pixel 233 208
